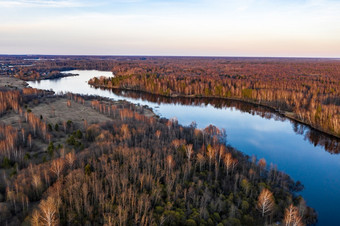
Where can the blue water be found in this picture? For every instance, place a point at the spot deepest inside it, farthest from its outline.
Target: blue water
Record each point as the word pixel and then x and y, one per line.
pixel 274 140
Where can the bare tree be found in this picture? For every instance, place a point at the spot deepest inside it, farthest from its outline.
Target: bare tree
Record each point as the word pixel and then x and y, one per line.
pixel 265 203
pixel 188 149
pixel 35 220
pixel 211 154
pixel 125 131
pixel 228 161
pixel 176 143
pixel 36 182
pixel 292 216
pixel 71 158
pixel 170 162
pixel 57 166
pixel 48 212
pixel 201 160
pixel 30 140
pixel 262 164
pixel 234 164
pixel 221 152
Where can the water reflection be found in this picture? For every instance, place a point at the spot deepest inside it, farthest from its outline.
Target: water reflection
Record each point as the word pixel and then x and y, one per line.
pixel 327 142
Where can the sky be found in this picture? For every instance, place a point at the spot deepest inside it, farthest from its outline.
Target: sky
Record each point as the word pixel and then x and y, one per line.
pixel 272 28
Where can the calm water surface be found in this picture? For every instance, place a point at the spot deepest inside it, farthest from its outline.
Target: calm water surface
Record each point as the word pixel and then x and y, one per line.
pixel 302 154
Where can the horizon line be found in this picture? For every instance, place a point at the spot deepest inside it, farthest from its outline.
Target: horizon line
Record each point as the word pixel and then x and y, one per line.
pixel 158 55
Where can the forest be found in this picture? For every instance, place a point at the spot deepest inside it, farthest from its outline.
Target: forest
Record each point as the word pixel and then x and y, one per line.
pixel 119 164
pixel 304 90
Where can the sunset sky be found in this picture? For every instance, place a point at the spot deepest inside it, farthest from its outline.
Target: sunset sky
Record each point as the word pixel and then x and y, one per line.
pixel 295 28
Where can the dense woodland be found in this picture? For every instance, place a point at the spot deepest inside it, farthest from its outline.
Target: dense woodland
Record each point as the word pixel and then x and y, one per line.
pixel 132 169
pixel 137 169
pixel 304 90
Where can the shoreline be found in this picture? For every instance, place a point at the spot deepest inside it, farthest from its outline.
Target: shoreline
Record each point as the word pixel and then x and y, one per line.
pixel 282 113
pixel 60 75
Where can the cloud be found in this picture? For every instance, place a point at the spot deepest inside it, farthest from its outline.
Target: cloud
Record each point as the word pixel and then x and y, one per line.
pixel 42 3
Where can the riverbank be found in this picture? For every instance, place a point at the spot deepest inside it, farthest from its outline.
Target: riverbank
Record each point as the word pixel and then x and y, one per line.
pixel 48 76
pixel 289 115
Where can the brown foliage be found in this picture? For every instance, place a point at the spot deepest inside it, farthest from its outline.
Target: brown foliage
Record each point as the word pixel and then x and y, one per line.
pixel 57 166
pixel 9 100
pixel 307 88
pixel 265 202
pixel 292 217
pixel 48 213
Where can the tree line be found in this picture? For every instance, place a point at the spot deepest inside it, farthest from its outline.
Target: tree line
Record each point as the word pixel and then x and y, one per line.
pixel 304 89
pixel 307 91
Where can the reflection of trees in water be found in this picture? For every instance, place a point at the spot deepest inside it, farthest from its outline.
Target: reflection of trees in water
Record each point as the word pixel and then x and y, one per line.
pixel 329 143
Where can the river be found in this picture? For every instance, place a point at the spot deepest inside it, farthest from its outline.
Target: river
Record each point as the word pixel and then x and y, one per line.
pixel 304 154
